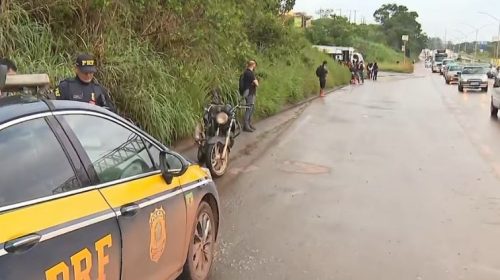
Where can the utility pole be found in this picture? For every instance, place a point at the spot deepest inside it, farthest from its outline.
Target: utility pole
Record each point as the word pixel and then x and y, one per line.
pixel 445 42
pixel 350 16
pixel 355 17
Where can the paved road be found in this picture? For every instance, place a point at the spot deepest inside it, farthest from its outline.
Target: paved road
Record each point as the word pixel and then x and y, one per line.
pixel 396 179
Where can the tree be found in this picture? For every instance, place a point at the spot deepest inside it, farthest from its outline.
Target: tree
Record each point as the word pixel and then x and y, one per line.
pixel 397 20
pixel 286 6
pixel 335 30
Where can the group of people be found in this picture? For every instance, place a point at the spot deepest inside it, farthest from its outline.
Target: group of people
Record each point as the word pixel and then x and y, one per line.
pixel 82 87
pixel 358 68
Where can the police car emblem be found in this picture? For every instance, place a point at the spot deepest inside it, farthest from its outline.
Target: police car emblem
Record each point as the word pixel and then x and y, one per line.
pixel 158 230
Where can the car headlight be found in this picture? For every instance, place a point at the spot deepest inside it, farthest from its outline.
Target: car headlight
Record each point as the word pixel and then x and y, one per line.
pixel 485 79
pixel 222 118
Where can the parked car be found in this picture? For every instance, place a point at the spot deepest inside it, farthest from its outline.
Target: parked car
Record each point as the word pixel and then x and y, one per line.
pixel 473 77
pixel 85 194
pixel 452 73
pixel 495 97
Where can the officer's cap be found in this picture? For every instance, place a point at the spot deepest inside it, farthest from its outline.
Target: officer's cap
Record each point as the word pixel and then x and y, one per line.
pixel 86 63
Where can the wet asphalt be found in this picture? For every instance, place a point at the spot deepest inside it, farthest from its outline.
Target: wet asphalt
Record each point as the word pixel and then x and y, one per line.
pixel 395 179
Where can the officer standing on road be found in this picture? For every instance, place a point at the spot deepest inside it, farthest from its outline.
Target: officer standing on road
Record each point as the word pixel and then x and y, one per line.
pixel 84 87
pixel 249 84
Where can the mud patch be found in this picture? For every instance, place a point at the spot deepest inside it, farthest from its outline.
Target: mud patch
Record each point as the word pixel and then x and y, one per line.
pixel 300 167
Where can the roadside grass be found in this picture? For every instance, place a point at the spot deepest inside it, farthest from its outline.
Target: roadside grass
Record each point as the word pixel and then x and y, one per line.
pixel 161 92
pixel 394 67
pixel 385 56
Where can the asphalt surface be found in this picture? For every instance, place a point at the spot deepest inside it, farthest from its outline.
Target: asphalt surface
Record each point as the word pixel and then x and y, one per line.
pixel 394 179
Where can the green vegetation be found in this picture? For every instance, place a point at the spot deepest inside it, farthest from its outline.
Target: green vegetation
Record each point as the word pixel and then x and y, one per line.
pixel 377 42
pixel 160 58
pixel 397 67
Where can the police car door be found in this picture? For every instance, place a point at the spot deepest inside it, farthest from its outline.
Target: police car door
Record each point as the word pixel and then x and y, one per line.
pixel 151 213
pixel 53 225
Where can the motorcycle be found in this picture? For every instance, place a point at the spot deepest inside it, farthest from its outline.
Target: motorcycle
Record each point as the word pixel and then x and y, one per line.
pixel 216 134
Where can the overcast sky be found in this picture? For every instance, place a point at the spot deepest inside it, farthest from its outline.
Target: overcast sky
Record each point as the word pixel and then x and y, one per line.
pixel 436 16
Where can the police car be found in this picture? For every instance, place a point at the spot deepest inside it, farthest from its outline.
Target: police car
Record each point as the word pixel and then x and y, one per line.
pixel 84 194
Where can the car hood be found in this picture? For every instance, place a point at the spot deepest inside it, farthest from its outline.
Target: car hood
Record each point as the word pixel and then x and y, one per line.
pixel 474 76
pixel 455 72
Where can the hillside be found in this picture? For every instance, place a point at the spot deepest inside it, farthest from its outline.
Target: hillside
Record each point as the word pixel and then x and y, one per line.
pixel 160 58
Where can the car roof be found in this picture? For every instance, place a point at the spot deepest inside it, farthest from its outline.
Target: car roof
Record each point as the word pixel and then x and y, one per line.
pixel 17 106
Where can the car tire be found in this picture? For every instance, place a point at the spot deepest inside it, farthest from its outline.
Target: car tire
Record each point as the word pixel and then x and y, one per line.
pixel 201 269
pixel 485 89
pixel 460 88
pixel 447 81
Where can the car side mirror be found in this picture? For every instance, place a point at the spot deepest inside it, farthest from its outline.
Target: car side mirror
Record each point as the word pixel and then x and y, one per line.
pixel 3 75
pixel 172 165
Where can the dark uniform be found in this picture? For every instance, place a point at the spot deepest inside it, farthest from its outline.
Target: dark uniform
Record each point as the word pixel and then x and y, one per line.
pixel 77 90
pixel 74 89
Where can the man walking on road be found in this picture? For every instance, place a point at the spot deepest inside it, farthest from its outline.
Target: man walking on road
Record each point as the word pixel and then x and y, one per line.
pixel 322 72
pixel 248 88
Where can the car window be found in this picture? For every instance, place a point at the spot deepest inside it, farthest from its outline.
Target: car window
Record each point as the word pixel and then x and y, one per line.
pixel 115 151
pixel 33 164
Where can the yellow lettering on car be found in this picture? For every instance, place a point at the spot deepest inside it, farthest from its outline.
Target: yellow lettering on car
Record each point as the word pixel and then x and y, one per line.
pixel 84 256
pixel 102 258
pixel 61 269
pixel 82 263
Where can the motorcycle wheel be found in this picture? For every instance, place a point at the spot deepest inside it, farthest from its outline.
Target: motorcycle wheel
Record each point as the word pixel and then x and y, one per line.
pixel 214 161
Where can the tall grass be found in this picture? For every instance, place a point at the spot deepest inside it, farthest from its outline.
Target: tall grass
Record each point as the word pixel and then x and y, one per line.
pixel 160 82
pixel 395 67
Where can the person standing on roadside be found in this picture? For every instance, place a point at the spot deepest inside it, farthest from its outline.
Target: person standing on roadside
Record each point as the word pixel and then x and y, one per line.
pixel 83 87
pixel 375 71
pixel 361 69
pixel 321 73
pixel 248 89
pixel 369 69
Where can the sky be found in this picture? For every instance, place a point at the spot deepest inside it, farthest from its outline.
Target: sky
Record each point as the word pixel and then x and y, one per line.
pixel 438 17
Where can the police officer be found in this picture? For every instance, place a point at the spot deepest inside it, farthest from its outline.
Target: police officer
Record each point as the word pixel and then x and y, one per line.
pixel 84 87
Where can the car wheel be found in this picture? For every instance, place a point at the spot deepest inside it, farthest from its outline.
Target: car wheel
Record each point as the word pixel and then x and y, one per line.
pixel 447 81
pixel 201 251
pixel 494 110
pixel 460 88
pixel 485 89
